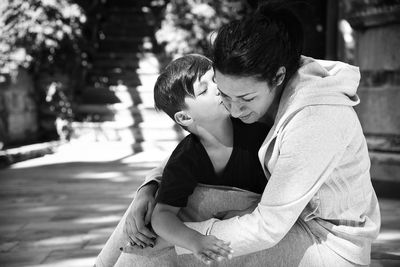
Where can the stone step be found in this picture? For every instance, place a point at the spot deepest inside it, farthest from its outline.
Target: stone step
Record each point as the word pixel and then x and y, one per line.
pixel 117 55
pixel 113 67
pixel 385 166
pixel 109 64
pixel 127 3
pixel 123 45
pixel 138 29
pixel 107 95
pixel 112 72
pixel 114 79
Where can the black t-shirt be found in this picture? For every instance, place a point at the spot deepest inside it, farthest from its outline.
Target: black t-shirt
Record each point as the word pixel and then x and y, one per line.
pixel 190 164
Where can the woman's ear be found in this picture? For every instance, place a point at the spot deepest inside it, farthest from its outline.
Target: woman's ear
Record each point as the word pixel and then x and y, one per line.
pixel 280 76
pixel 183 118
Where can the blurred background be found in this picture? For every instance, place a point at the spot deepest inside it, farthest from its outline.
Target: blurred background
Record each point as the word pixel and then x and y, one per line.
pixel 78 130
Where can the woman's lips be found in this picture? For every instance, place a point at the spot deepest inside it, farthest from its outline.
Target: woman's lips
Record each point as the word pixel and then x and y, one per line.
pixel 245 117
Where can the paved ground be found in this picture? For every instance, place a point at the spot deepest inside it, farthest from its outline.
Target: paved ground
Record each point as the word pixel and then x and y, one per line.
pixel 58 210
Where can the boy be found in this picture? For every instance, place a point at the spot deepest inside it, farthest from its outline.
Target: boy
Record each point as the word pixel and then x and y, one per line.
pixel 219 150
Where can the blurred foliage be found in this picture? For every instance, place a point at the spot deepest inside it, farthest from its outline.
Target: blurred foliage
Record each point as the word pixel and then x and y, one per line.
pixel 188 25
pixel 40 35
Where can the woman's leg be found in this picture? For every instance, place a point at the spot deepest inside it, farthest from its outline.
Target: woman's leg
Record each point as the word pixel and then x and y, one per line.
pixel 109 254
pixel 298 248
pixel 165 258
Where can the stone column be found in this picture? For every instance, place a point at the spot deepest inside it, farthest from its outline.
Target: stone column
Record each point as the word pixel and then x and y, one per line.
pixel 377 53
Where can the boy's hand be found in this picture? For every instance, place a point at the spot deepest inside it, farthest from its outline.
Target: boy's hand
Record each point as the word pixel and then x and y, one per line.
pixel 209 248
pixel 160 246
pixel 138 217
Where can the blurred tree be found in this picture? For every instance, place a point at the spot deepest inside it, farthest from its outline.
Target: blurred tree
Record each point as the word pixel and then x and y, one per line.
pixel 39 34
pixel 188 25
pixel 44 37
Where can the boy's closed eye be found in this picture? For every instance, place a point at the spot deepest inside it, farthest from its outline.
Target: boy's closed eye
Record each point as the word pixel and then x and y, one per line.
pixel 203 89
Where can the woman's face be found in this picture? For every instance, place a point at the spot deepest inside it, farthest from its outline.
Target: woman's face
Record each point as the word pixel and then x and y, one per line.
pixel 246 98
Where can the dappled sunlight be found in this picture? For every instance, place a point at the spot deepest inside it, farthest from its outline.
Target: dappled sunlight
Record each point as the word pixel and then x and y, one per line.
pixel 389 235
pixel 44 209
pixel 99 219
pixel 78 151
pixel 79 262
pixel 98 175
pixel 147 157
pixel 108 207
pixel 64 240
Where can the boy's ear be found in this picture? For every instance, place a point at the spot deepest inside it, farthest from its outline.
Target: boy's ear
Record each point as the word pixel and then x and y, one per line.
pixel 183 118
pixel 280 75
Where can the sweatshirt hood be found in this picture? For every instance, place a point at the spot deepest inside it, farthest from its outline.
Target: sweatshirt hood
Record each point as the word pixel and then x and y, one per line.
pixel 319 82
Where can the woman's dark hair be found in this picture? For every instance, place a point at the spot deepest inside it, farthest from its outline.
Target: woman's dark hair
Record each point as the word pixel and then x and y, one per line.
pixel 259 44
pixel 176 82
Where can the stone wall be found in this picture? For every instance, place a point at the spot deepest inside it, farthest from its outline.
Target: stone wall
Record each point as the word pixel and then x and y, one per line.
pixel 377 53
pixel 18 110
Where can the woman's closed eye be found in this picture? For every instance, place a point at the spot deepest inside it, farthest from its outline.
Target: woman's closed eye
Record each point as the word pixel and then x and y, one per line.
pixel 248 99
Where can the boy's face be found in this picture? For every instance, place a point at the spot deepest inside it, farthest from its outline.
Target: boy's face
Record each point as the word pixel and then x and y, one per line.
pixel 207 104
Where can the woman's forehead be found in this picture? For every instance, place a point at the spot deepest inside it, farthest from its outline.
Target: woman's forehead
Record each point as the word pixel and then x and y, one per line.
pixel 236 85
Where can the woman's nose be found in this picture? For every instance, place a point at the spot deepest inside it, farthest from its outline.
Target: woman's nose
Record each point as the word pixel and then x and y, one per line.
pixel 235 109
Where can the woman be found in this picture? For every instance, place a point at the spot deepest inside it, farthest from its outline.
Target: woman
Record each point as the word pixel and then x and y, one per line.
pixel 319 207
pixel 315 155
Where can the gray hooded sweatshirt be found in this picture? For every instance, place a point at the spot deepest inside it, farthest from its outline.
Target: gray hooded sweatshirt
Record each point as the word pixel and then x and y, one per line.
pixel 316 160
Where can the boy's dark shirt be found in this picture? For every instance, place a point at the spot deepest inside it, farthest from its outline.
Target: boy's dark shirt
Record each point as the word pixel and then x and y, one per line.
pixel 190 164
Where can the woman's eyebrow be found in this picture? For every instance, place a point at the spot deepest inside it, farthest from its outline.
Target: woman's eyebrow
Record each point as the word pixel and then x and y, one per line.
pixel 222 93
pixel 239 96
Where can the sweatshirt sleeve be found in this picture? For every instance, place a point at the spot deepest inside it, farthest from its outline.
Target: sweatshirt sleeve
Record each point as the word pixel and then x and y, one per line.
pixel 155 174
pixel 309 148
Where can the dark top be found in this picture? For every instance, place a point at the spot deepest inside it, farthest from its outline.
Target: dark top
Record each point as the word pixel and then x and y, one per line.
pixel 190 164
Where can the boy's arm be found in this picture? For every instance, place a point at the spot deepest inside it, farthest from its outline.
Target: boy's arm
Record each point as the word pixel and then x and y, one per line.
pixel 168 226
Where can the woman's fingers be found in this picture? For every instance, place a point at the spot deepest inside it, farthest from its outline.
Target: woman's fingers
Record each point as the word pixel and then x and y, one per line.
pixel 133 234
pixel 144 240
pixel 140 226
pixel 150 208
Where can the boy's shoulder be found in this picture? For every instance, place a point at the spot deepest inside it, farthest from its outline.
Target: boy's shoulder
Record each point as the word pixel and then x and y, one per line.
pixel 188 150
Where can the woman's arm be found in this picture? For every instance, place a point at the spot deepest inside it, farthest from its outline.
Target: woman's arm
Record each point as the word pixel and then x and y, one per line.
pixel 136 223
pixel 168 226
pixel 154 175
pixel 309 149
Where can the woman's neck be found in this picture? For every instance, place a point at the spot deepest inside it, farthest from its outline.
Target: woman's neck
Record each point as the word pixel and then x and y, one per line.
pixel 270 115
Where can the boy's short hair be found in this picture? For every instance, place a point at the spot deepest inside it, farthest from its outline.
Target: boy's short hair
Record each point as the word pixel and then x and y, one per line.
pixel 176 81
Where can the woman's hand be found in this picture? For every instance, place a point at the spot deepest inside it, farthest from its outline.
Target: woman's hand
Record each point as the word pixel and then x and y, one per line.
pixel 209 249
pixel 137 221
